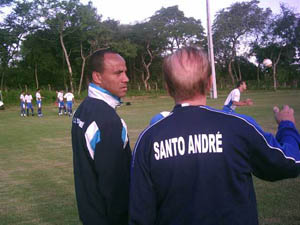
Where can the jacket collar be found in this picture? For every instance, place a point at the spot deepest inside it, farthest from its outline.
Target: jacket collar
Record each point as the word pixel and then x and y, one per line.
pixel 99 93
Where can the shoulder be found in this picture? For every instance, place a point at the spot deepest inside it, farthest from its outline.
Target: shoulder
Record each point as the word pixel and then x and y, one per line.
pixel 158 117
pixel 97 109
pixel 235 118
pixel 236 91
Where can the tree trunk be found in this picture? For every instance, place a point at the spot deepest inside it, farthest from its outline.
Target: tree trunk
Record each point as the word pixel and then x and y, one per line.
pixel 147 77
pixel 68 61
pixel 257 75
pixel 274 67
pixel 2 80
pixel 240 73
pixel 145 81
pixel 230 71
pixel 147 66
pixel 81 76
pixel 82 68
pixel 36 76
pixel 84 58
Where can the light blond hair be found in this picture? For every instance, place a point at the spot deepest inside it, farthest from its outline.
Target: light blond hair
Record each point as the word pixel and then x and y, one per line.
pixel 187 73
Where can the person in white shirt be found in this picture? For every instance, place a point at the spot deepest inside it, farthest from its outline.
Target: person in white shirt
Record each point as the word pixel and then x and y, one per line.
pixel 70 100
pixel 233 99
pixel 22 104
pixel 28 99
pixel 39 102
pixel 61 103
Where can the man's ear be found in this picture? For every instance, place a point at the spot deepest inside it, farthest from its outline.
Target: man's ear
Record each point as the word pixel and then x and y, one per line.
pixel 96 76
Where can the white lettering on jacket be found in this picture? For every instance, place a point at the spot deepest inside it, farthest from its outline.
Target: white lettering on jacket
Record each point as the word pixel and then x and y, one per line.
pixel 196 144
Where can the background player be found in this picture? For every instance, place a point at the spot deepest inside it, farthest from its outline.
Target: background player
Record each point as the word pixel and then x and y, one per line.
pixel 70 100
pixel 39 102
pixel 28 100
pixel 22 104
pixel 61 103
pixel 233 99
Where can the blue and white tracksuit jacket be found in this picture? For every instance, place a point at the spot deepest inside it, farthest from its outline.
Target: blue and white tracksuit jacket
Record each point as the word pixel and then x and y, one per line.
pixel 101 158
pixel 195 166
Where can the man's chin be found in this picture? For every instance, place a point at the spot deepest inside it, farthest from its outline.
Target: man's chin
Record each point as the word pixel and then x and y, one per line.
pixel 123 94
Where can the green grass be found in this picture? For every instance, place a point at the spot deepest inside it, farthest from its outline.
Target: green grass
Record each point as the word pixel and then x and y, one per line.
pixel 36 173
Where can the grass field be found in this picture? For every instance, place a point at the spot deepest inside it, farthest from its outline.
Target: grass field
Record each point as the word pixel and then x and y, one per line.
pixel 36 173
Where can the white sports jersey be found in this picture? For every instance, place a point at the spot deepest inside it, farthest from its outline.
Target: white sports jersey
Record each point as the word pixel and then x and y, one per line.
pixel 38 96
pixel 28 98
pixel 60 96
pixel 22 98
pixel 69 96
pixel 234 96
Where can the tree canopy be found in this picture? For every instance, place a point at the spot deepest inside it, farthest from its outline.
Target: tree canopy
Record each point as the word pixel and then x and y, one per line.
pixel 47 43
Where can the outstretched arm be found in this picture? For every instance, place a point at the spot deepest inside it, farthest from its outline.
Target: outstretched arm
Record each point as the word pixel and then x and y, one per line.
pixel 247 102
pixel 280 157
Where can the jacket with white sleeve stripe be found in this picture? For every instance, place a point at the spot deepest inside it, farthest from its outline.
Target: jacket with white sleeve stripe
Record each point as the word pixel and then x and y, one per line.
pixel 101 159
pixel 195 167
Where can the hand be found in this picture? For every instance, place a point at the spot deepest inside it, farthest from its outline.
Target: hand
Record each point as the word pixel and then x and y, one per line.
pixel 286 113
pixel 249 101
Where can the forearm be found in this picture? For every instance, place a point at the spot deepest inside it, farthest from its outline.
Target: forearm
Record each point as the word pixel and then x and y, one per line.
pixel 279 158
pixel 241 103
pixel 246 102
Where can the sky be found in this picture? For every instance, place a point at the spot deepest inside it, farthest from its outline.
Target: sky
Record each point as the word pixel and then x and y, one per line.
pixel 132 11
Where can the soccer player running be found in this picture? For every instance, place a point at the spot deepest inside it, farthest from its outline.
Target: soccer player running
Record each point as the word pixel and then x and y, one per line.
pixel 70 100
pixel 233 99
pixel 22 104
pixel 39 102
pixel 101 151
pixel 28 101
pixel 195 166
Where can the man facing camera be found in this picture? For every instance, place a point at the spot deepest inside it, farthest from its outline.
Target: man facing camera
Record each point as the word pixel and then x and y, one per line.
pixel 101 152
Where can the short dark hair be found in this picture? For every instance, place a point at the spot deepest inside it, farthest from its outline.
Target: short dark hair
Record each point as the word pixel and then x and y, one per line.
pixel 239 83
pixel 187 72
pixel 96 62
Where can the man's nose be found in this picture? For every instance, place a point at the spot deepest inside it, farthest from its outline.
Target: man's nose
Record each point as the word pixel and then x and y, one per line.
pixel 125 77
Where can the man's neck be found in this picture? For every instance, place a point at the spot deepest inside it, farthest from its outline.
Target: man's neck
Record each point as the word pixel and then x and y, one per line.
pixel 197 100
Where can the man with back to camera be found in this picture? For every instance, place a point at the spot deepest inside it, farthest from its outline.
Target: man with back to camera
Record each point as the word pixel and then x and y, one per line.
pixel 195 166
pixel 28 101
pixel 101 151
pixel 233 99
pixel 70 100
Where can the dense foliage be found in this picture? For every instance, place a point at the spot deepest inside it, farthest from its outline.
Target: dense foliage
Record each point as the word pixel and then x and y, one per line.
pixel 46 44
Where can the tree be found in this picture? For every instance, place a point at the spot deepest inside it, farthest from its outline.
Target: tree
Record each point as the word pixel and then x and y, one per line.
pixel 176 29
pixel 4 3
pixel 41 55
pixel 231 28
pixel 63 18
pixel 165 31
pixel 22 20
pixel 144 35
pixel 89 31
pixel 278 41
